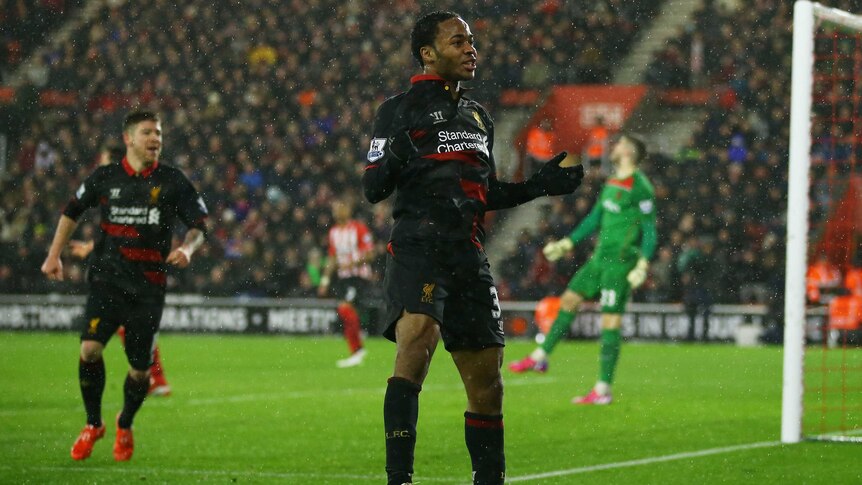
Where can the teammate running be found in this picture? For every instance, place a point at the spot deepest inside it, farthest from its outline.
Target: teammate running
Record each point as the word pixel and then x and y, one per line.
pixel 351 249
pixel 140 200
pixel 625 218
pixel 433 147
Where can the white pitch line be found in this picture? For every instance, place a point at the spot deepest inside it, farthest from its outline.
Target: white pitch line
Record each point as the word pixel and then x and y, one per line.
pixel 274 396
pixel 299 475
pixel 643 461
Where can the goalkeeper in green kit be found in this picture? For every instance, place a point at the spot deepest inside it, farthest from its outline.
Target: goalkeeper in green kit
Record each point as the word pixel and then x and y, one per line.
pixel 625 218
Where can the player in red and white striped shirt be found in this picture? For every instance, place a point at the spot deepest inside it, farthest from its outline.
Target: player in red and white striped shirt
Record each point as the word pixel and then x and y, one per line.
pixel 351 249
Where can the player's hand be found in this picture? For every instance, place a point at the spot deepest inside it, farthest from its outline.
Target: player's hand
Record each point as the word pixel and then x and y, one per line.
pixel 81 249
pixel 179 258
pixel 552 179
pixel 53 268
pixel 637 276
pixel 557 249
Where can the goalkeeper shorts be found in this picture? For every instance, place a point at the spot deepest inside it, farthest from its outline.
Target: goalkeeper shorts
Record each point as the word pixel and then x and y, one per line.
pixel 605 280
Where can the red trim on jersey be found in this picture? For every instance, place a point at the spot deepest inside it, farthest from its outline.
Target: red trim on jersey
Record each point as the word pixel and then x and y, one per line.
pixel 156 277
pixel 425 77
pixel 474 232
pixel 141 254
pixel 474 190
pixel 372 166
pixel 486 424
pixel 389 248
pixel 416 134
pixel 120 230
pixel 625 184
pixel 144 173
pixel 469 157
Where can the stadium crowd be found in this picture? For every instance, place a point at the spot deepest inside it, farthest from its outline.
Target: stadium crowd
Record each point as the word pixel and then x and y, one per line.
pixel 25 24
pixel 721 199
pixel 270 118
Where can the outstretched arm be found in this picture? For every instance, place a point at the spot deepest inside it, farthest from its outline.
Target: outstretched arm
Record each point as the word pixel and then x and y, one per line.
pixel 551 179
pixel 587 226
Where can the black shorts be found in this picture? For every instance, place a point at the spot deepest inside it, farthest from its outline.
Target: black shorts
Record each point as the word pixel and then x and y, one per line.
pixel 352 290
pixel 449 281
pixel 109 307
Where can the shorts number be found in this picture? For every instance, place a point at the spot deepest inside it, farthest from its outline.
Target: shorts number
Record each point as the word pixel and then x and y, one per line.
pixel 496 311
pixel 609 298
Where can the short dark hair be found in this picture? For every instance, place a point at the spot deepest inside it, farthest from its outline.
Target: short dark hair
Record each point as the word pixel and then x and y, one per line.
pixel 425 31
pixel 638 144
pixel 137 116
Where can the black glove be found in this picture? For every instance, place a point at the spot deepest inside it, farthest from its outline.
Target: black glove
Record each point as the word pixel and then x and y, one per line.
pixel 401 147
pixel 552 179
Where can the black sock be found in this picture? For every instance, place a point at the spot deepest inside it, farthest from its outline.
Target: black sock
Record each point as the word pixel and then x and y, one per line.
pixel 484 436
pixel 134 393
pixel 91 377
pixel 400 413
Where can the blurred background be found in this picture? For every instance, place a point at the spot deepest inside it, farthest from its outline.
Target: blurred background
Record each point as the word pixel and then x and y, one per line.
pixel 270 117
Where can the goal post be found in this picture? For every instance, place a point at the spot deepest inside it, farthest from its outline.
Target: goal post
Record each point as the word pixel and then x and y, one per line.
pixel 808 17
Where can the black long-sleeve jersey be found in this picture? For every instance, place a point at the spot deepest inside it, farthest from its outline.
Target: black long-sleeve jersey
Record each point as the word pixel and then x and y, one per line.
pixel 444 190
pixel 138 213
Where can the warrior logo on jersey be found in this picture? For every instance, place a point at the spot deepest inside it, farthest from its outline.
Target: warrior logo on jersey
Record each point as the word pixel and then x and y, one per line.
pixel 154 195
pixel 375 152
pixel 428 292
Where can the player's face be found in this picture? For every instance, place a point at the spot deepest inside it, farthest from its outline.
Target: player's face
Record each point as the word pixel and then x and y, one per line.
pixel 340 212
pixel 454 50
pixel 145 141
pixel 105 158
pixel 620 150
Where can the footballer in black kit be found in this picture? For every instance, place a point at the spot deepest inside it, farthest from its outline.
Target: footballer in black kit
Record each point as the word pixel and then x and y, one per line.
pixel 432 146
pixel 128 265
pixel 140 200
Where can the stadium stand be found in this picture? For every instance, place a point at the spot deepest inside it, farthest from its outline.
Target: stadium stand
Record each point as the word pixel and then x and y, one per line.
pixel 720 199
pixel 268 116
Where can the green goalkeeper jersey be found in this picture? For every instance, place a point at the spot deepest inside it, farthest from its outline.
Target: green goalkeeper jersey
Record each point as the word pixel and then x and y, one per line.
pixel 625 218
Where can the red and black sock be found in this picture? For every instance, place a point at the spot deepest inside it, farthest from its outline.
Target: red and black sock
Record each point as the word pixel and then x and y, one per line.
pixel 352 328
pixel 91 377
pixel 156 370
pixel 134 393
pixel 484 436
pixel 400 413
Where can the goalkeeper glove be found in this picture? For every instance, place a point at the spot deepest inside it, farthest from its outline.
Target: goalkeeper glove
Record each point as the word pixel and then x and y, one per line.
pixel 637 276
pixel 557 249
pixel 552 179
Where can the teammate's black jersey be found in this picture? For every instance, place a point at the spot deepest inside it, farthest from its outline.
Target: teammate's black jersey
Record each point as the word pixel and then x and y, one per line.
pixel 445 189
pixel 138 212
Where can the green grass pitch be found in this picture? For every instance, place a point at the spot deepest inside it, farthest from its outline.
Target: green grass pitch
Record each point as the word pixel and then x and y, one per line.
pixel 254 409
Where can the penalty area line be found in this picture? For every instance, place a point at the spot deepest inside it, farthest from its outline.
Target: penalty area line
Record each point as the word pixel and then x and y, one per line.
pixel 643 461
